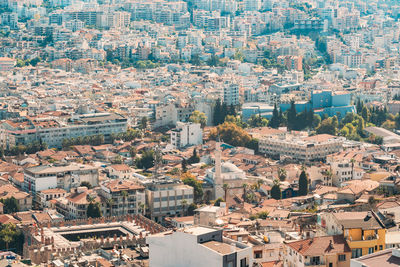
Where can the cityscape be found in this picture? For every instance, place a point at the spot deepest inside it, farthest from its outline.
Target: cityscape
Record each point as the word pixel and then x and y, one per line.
pixel 200 133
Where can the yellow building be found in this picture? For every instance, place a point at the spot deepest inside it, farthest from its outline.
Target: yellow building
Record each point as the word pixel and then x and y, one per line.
pixel 363 231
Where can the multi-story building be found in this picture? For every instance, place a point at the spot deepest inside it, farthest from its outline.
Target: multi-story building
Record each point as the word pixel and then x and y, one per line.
pixel 364 231
pixel 231 94
pixel 301 148
pixel 166 197
pixel 186 134
pixel 54 130
pixel 291 62
pixel 7 64
pixel 329 251
pixel 23 199
pixel 122 197
pixel 46 195
pixel 197 246
pixel 44 177
pixel 343 171
pixel 78 201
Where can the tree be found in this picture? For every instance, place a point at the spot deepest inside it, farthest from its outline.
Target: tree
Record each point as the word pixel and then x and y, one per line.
pixel 275 120
pixel 110 203
pixel 303 184
pixel 93 210
pixel 10 205
pixel 7 233
pixel 124 195
pixel 282 174
pixel 218 201
pixel 276 190
pixel 132 152
pixel 292 116
pixel 257 121
pixel 365 113
pixel 146 161
pixel 197 186
pixel 231 134
pixel 143 123
pixel 194 158
pixel 87 184
pixel 184 165
pixel 198 117
pixel 217 118
pixel 184 205
pixel 327 126
pixel 190 210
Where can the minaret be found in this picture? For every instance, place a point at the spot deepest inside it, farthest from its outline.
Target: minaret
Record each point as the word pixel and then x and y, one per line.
pixel 218 181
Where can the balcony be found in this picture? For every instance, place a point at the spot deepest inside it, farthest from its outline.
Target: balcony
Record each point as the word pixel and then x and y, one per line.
pixel 316 264
pixel 368 238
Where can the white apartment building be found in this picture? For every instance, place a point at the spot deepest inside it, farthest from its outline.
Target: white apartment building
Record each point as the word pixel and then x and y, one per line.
pixel 167 198
pixel 343 171
pixel 315 147
pixel 231 94
pixel 53 130
pixel 197 247
pixel 49 194
pixel 186 134
pixel 170 114
pixel 122 197
pixel 44 177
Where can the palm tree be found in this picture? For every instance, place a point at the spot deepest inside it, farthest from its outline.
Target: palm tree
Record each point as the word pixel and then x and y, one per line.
pixel 184 204
pixel 142 207
pixel 7 233
pixel 282 174
pixel 110 202
pixel 90 198
pixel 124 197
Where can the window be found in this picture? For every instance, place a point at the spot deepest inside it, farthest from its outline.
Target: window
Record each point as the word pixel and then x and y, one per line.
pixel 356 253
pixel 258 254
pixel 380 247
pixel 342 257
pixel 330 264
pixel 370 250
pixel 243 263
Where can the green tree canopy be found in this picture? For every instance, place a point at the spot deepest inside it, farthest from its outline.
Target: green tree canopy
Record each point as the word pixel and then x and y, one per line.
pixel 303 184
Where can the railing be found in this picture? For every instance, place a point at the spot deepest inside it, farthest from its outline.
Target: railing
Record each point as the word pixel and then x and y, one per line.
pixel 363 238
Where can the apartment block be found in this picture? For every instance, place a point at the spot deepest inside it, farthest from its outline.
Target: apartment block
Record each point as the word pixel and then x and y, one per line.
pixel 166 198
pixel 122 197
pixel 299 147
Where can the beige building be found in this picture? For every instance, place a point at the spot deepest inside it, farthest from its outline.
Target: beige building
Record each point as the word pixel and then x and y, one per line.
pixel 329 251
pixel 299 147
pixel 166 198
pixel 122 197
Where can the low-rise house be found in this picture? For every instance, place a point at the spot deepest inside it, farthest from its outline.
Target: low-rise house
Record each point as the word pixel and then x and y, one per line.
pixel 329 251
pixel 120 171
pixel 364 231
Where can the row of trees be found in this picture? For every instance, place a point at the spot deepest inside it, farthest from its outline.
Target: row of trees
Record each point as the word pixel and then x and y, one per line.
pixel 293 120
pixel 276 192
pixel 222 110
pixel 94 140
pixel 22 149
pixel 129 135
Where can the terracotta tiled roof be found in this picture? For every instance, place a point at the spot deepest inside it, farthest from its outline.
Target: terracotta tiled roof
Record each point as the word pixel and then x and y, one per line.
pixel 320 245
